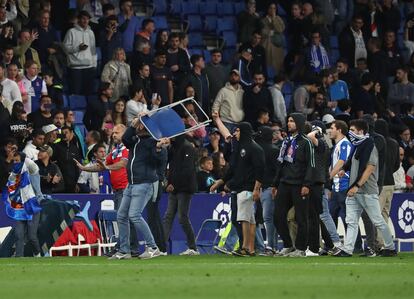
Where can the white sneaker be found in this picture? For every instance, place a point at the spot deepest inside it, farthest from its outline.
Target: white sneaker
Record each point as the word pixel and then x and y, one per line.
pixel 297 253
pixel 120 256
pixel 190 252
pixel 150 253
pixel 162 253
pixel 285 251
pixel 310 253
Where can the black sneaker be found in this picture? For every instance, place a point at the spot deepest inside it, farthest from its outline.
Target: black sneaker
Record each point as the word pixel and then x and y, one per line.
pixel 334 251
pixel 388 253
pixel 135 254
pixel 342 253
pixel 242 252
pixel 369 252
pixel 111 253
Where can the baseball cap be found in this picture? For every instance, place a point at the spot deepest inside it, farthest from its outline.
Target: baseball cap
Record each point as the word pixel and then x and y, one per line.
pixel 47 149
pixel 246 48
pixel 235 71
pixel 49 128
pixel 328 119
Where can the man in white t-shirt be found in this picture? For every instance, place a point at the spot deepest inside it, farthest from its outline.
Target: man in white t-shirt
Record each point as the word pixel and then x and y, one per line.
pixel 11 91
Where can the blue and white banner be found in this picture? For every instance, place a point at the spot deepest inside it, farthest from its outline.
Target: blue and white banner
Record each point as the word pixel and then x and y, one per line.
pixel 402 215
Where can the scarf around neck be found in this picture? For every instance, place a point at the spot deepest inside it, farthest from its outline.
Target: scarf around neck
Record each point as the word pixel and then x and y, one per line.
pixel 288 150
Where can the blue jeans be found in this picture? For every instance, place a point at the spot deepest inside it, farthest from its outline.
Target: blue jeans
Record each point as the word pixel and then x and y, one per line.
pixel 268 205
pixel 370 204
pixel 337 206
pixel 259 242
pixel 327 220
pixel 133 203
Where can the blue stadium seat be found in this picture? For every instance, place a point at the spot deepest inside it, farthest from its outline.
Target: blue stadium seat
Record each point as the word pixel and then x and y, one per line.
pixel 160 7
pixel 77 102
pixel 287 88
pixel 195 40
pixel 280 11
pixel 65 101
pixel 207 55
pixel 195 51
pixel 334 56
pixel 230 39
pixel 160 22
pixel 333 42
pixel 239 7
pixel 225 9
pixel 99 53
pixel 189 8
pixel 210 23
pixel 78 116
pixel 195 23
pixel 226 24
pixel 208 8
pixel 175 7
pixel 228 55
pixel 271 72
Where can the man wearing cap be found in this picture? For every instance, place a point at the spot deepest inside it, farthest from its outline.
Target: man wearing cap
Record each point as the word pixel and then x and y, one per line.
pixel 242 65
pixel 214 138
pixel 292 185
pixel 79 45
pixel 229 101
pixel 51 134
pixel 51 179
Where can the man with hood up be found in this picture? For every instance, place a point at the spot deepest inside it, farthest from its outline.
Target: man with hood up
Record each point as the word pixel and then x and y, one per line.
pixel 292 185
pixel 271 151
pixel 245 177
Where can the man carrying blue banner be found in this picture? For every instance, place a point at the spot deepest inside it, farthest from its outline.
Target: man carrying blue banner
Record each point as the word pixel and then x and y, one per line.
pixel 21 200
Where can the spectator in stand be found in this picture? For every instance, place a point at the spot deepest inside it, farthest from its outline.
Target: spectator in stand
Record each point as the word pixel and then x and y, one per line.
pixel 320 107
pixel 138 104
pixel 31 148
pixel 110 38
pixel 344 10
pixel 273 38
pixel 79 135
pixel 18 124
pixel 46 43
pixel 94 8
pixel 24 51
pixel 302 96
pixel 118 73
pixel 278 98
pixel 199 81
pixel 379 71
pixel 98 108
pixel 214 141
pixel 106 133
pixel 144 35
pixel 79 45
pixel 34 85
pixel 248 21
pixel 11 92
pixel 262 120
pixel 64 154
pixel 317 58
pixel 364 100
pixel 177 60
pixel 161 40
pixel 391 16
pixel 401 92
pixel 256 98
pixel 352 41
pixel 54 90
pixel 94 182
pixel 59 120
pixel 108 11
pixel 220 165
pixel 401 184
pixel 51 134
pixel 229 101
pixel 13 74
pixel 42 116
pixel 258 63
pixel 51 180
pixel 144 80
pixel 217 74
pixel 409 34
pixel 295 28
pixel 129 26
pixel 119 113
pixel 7 57
pixel 184 41
pixel 140 57
pixel 161 79
pixel 346 75
pixel 92 138
pixel 205 177
pixel 242 65
pixel 390 47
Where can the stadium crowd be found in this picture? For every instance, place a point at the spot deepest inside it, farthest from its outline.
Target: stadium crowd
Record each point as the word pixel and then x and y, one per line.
pixel 313 117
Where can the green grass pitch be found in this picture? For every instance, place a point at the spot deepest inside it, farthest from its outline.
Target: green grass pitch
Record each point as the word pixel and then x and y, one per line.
pixel 212 276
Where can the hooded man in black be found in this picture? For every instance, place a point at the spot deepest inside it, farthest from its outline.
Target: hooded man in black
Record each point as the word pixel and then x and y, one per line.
pixel 271 151
pixel 245 177
pixel 292 184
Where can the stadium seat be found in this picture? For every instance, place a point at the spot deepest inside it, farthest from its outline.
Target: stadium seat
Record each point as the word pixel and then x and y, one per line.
pixel 160 7
pixel 160 22
pixel 189 8
pixel 77 102
pixel 207 55
pixel 207 235
pixel 210 23
pixel 109 229
pixel 65 101
pixel 163 123
pixel 334 56
pixel 225 24
pixel 208 8
pixel 195 23
pixel 228 55
pixel 333 42
pixel 175 7
pixel 287 88
pixel 195 40
pixel 239 7
pixel 195 51
pixel 230 39
pixel 225 9
pixel 79 114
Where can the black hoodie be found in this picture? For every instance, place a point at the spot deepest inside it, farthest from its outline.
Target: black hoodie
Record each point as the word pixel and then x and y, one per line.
pixel 392 158
pixel 300 172
pixel 247 162
pixel 271 151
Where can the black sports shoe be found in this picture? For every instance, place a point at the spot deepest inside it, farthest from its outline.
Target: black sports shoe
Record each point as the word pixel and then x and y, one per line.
pixel 369 252
pixel 388 253
pixel 342 253
pixel 111 253
pixel 242 252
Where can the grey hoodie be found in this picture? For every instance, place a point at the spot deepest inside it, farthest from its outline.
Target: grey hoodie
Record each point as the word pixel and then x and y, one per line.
pixel 80 59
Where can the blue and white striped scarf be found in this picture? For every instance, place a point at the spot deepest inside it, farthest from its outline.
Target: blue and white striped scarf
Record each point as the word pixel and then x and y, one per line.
pixel 319 58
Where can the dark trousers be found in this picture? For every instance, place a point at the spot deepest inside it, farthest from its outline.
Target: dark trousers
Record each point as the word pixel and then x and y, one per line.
pixel 81 80
pixel 234 221
pixel 315 209
pixel 326 236
pixel 179 202
pixel 29 229
pixel 155 221
pixel 289 196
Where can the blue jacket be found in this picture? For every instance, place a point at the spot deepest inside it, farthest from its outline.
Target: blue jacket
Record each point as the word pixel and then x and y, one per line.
pixel 143 159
